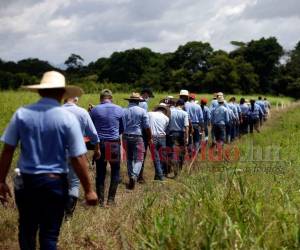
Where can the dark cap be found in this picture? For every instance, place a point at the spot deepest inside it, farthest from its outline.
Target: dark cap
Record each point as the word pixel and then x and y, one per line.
pixel 148 91
pixel 180 102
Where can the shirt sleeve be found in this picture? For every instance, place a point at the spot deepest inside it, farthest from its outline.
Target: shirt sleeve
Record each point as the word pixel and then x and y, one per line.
pixel 145 121
pixel 11 134
pixel 121 121
pixel 200 115
pixel 208 114
pixel 90 130
pixel 186 119
pixel 75 141
pixel 227 116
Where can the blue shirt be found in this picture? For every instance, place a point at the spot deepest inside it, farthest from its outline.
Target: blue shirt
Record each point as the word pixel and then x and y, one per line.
pixel 179 120
pixel 256 112
pixel 206 114
pixel 194 111
pixel 220 115
pixel 234 109
pixel 46 131
pixel 262 105
pixel 136 119
pixel 144 105
pixel 109 120
pixel 214 104
pixel 244 109
pixel 87 126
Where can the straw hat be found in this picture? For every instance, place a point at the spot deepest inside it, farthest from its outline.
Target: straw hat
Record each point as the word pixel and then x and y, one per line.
pixel 165 108
pixel 135 97
pixel 55 80
pixel 184 92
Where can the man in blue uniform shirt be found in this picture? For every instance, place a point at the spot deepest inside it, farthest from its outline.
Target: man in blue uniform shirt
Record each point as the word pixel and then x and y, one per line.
pixel 47 133
pixel 219 120
pixel 146 94
pixel 88 130
pixel 196 118
pixel 136 120
pixel 178 135
pixel 109 122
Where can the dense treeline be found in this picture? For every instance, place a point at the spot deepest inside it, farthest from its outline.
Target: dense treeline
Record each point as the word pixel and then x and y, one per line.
pixel 259 66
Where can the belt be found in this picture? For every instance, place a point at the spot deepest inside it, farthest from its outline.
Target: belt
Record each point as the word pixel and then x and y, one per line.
pixel 128 135
pixel 50 175
pixel 171 132
pixel 158 136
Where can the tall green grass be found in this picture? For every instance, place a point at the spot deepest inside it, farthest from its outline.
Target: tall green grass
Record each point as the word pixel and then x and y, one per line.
pixel 230 205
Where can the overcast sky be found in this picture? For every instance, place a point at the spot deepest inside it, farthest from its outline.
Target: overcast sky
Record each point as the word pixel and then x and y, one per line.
pixel 53 29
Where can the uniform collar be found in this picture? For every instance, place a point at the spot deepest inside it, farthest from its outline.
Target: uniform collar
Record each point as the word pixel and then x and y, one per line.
pixel 106 101
pixel 49 101
pixel 132 104
pixel 69 104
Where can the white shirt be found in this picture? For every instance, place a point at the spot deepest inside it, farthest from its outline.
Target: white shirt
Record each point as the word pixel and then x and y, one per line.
pixel 158 123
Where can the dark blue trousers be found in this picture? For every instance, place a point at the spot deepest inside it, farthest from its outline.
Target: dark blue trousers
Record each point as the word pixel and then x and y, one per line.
pixel 41 203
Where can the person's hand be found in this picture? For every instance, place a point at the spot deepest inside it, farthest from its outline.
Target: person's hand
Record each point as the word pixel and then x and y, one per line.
pixel 97 155
pixel 150 142
pixel 4 193
pixel 91 198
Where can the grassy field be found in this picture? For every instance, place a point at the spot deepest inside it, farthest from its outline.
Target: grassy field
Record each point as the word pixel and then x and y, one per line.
pixel 249 204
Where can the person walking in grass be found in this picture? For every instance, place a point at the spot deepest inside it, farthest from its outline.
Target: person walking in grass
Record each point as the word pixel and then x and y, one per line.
pixel 196 118
pixel 109 121
pixel 244 119
pixel 206 117
pixel 48 134
pixel 136 120
pixel 179 135
pixel 262 106
pixel 219 120
pixel 146 94
pixel 88 130
pixel 159 121
pixel 254 113
pixel 235 118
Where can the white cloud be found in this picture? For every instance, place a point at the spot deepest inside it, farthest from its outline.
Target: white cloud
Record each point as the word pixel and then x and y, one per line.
pixel 52 29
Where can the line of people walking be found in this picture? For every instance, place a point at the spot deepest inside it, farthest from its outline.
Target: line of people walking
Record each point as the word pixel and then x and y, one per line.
pixel 47 184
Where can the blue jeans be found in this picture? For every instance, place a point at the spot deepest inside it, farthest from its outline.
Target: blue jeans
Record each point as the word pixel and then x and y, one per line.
pixel 135 150
pixel 145 154
pixel 41 204
pixel 219 132
pixel 74 183
pixel 110 152
pixel 178 150
pixel 158 156
pixel 195 139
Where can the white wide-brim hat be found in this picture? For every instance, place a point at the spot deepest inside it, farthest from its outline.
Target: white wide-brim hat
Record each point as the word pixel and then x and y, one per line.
pixel 55 80
pixel 184 92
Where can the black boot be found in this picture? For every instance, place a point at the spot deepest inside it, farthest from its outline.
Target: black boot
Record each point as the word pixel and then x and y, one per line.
pixel 70 206
pixel 111 194
pixel 131 184
pixel 100 193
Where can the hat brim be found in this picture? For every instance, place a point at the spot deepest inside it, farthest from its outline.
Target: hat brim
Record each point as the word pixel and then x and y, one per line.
pixel 70 90
pixel 134 99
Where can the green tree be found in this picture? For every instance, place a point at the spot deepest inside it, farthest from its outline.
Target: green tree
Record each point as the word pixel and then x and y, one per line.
pixel 74 62
pixel 222 74
pixel 192 56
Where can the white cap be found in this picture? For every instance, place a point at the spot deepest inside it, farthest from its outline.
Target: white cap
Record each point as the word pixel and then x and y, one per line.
pixel 184 92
